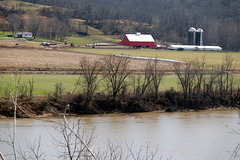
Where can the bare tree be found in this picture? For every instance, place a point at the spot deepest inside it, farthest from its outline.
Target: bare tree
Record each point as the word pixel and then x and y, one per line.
pixel 117 72
pixel 145 152
pixel 13 19
pixel 14 98
pixel 90 74
pixel 75 143
pixel 199 68
pixel 1 156
pixel 157 76
pixel 3 25
pixel 34 24
pixel 35 152
pixel 225 79
pixel 144 83
pixel 120 152
pixel 186 78
pixel 209 83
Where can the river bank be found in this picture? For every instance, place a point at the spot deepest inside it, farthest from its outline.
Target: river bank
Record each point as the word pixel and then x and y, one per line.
pixel 77 104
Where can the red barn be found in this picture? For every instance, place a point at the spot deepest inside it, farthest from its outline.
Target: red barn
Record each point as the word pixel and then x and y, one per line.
pixel 138 40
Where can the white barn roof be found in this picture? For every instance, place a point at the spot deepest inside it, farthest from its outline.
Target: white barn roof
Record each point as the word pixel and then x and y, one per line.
pixel 140 37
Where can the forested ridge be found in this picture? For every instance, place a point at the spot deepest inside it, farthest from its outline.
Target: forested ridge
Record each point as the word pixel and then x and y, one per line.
pixel 167 20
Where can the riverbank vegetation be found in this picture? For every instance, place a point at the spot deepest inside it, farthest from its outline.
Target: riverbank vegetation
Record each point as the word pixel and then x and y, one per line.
pixel 108 86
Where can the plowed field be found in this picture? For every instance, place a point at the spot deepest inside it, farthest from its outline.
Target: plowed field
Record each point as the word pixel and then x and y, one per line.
pixel 24 55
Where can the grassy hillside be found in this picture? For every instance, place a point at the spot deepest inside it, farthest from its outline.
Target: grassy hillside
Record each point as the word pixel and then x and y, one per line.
pixel 28 8
pixel 94 35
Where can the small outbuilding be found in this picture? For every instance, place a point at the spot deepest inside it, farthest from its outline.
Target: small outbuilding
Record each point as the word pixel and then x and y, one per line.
pixel 23 35
pixel 138 40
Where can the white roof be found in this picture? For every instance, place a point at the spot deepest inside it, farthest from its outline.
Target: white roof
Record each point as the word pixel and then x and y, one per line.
pixel 140 37
pixel 193 47
pixel 24 33
pixel 192 29
pixel 199 30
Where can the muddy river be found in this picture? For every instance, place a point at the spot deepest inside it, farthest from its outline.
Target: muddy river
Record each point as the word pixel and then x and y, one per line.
pixel 205 135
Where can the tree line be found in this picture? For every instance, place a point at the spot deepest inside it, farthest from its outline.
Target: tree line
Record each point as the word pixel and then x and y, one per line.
pixel 202 87
pixel 167 21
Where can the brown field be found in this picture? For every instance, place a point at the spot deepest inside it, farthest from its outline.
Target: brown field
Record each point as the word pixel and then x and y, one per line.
pixel 32 56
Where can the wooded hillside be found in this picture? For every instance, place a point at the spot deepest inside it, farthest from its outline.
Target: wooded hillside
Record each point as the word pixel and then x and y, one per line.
pixel 167 20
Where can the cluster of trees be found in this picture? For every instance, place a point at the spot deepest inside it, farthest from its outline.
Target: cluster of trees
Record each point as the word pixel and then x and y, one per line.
pixel 201 88
pixel 167 21
pixel 53 28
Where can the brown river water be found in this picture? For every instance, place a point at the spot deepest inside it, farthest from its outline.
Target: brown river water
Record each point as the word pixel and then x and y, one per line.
pixel 204 135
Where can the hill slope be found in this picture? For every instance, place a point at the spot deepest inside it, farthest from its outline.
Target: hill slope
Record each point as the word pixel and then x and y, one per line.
pixel 167 21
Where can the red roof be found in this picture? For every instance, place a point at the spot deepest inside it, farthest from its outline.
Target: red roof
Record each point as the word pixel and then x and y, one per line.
pixel 138 40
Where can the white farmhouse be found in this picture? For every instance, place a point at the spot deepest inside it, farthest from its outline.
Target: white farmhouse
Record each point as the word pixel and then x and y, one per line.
pixel 23 35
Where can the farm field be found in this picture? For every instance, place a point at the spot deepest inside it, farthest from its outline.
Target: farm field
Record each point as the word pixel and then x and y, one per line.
pixel 212 58
pixel 44 84
pixel 32 56
pixel 29 55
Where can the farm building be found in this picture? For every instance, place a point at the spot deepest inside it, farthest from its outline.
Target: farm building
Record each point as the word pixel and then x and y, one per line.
pixel 194 48
pixel 195 42
pixel 138 40
pixel 23 35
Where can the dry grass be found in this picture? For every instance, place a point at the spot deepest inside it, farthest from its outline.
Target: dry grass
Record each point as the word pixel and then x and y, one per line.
pixel 212 58
pixel 27 55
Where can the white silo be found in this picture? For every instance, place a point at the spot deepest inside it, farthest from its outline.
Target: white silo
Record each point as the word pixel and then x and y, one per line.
pixel 199 37
pixel 191 36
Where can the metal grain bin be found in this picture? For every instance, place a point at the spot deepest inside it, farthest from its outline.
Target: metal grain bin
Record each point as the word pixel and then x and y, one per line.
pixel 199 37
pixel 191 36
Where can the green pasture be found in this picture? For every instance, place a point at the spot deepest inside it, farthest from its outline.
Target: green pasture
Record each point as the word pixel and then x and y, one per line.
pixel 44 84
pixel 212 58
pixel 5 34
